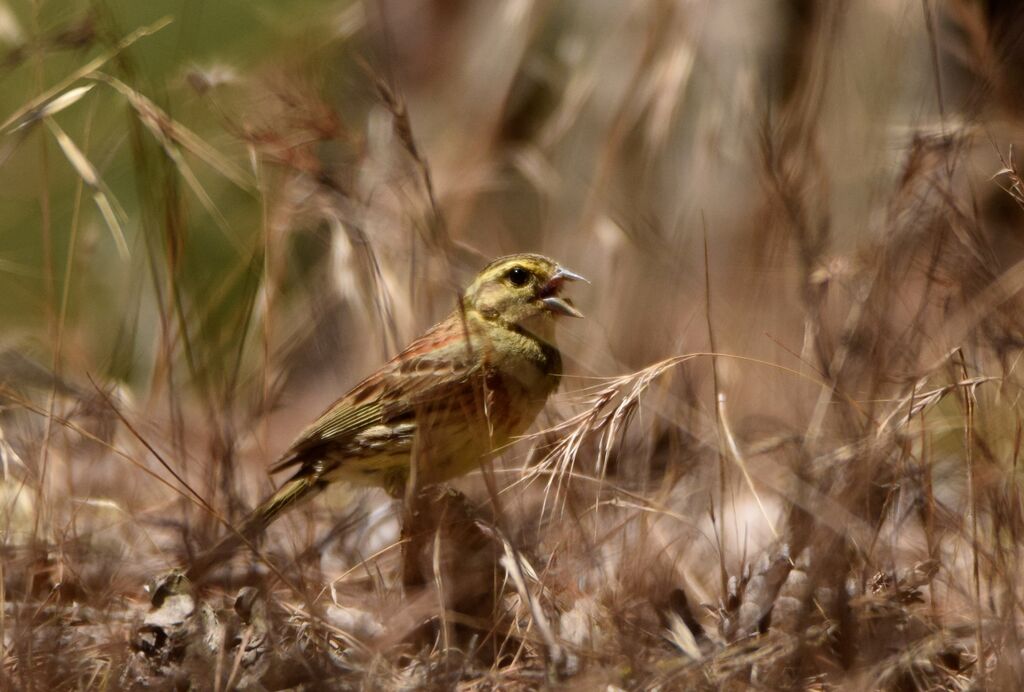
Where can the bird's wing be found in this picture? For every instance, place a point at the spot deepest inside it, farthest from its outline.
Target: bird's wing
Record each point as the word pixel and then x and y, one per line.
pixel 432 369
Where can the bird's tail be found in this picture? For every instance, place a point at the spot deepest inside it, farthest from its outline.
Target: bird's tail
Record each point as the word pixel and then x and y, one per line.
pixel 288 495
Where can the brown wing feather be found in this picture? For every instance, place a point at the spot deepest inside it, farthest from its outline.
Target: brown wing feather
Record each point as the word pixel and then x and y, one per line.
pixel 434 367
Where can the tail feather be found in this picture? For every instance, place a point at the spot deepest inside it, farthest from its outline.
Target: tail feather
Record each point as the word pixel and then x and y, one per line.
pixel 288 495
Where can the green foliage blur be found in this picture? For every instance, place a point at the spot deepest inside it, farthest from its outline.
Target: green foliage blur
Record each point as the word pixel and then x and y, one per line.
pixel 187 227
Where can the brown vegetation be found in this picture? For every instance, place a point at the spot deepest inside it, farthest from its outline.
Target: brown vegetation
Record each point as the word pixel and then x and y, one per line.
pixel 786 452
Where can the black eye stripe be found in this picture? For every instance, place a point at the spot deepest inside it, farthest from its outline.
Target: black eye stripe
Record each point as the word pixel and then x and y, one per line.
pixel 518 276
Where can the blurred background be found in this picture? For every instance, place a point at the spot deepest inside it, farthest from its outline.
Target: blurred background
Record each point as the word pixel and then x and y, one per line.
pixel 216 217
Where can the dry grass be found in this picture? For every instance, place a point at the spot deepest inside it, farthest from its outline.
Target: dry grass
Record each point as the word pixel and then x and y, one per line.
pixel 786 453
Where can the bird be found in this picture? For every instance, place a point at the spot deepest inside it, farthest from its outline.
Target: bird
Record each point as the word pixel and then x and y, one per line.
pixel 441 407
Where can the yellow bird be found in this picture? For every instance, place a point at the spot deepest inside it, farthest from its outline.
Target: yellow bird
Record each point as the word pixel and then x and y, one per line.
pixel 455 395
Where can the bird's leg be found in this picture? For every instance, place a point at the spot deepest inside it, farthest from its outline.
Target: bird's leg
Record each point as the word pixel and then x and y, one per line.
pixel 432 514
pixel 414 534
pixel 446 548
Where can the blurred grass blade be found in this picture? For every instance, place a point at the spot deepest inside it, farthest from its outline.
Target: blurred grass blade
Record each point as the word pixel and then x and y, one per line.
pixel 170 132
pixel 59 103
pixel 107 210
pixel 682 638
pixel 74 155
pixel 211 207
pixel 27 112
pixel 87 172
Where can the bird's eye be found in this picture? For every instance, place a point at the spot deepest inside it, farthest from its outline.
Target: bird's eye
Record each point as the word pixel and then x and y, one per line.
pixel 518 276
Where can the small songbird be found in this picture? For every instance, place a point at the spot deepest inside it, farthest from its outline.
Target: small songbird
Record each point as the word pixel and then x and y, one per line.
pixel 439 408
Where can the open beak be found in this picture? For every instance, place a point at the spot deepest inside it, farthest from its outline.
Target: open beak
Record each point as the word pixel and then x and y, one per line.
pixel 549 293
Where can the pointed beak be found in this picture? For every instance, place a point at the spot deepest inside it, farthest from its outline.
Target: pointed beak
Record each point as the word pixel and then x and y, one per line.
pixel 561 306
pixel 549 294
pixel 564 274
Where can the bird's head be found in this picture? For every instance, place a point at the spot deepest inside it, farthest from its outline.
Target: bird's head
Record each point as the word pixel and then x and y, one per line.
pixel 522 290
